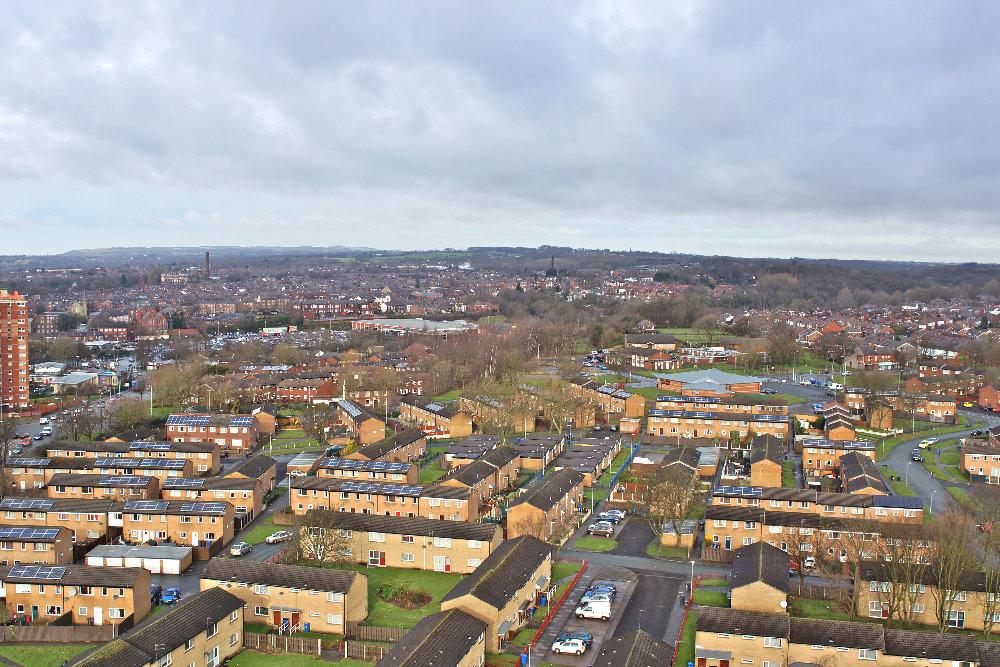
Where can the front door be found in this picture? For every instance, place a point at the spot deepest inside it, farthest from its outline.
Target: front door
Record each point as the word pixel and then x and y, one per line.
pixel 194 539
pixel 276 617
pixel 440 563
pixel 295 620
pixel 98 615
pixel 376 558
pixel 729 542
pixel 34 612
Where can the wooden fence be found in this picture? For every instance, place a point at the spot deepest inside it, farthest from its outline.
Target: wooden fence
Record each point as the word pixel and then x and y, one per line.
pixel 362 651
pixel 268 643
pixel 373 633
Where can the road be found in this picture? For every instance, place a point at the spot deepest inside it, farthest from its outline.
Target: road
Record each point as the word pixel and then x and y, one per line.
pixel 932 490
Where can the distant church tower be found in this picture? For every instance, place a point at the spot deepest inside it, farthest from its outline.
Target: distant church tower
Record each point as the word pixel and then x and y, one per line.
pixel 551 272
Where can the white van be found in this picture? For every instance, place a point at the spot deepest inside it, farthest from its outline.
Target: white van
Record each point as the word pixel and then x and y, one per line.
pixel 595 609
pixel 835 386
pixel 43 420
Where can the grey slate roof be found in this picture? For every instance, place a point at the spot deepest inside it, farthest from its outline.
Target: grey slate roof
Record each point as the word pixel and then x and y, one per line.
pixel 636 649
pixel 760 562
pixel 161 634
pixel 814 632
pixel 84 575
pixel 503 572
pixel 737 621
pixel 552 488
pixel 282 576
pixel 254 467
pixel 412 525
pixel 439 640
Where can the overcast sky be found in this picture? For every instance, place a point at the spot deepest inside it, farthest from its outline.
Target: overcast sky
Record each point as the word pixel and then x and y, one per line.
pixel 793 128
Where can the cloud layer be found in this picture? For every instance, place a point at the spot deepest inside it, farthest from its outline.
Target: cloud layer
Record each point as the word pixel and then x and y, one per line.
pixel 781 128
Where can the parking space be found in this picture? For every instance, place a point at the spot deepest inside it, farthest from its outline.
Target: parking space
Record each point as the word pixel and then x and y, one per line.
pixel 566 620
pixel 633 536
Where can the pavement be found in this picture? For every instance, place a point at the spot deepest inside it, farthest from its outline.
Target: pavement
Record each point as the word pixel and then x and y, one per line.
pixel 932 490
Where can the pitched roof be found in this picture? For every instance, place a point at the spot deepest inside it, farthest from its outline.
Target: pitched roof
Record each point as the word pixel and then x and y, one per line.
pixel 636 649
pixel 763 562
pixel 813 632
pixel 552 488
pixel 741 622
pixel 84 575
pixel 441 639
pixel 281 576
pixel 413 525
pixel 158 635
pixel 766 448
pixel 387 445
pixel 931 645
pixel 504 571
pixel 254 467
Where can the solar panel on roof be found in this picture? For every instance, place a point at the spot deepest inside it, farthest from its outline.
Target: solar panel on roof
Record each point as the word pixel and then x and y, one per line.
pixel 169 464
pixel 123 480
pixel 240 421
pixel 214 508
pixel 36 572
pixel 151 446
pixel 27 532
pixel 27 463
pixel 146 505
pixel 183 483
pixel 26 503
pixel 435 407
pixel 350 408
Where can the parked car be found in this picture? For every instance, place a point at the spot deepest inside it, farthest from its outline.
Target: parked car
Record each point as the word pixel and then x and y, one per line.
pixel 765 390
pixel 597 609
pixel 155 593
pixel 296 473
pixel 170 596
pixel 39 436
pixel 608 517
pixel 618 513
pixel 585 637
pixel 240 548
pixel 916 456
pixel 574 646
pixel 280 536
pixel 602 528
pixel 817 407
pixel 976 433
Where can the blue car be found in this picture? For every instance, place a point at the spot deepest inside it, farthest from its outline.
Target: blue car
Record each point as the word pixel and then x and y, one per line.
pixel 817 407
pixel 171 595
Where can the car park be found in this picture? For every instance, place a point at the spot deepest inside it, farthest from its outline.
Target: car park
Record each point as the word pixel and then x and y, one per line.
pixel 239 549
pixel 585 637
pixel 573 646
pixel 280 536
pixel 170 596
pixel 602 528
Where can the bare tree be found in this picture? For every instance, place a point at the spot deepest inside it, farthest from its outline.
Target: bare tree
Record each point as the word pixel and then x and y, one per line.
pixel 319 535
pixel 670 497
pixel 986 513
pixel 126 414
pixel 8 429
pixel 804 541
pixel 954 544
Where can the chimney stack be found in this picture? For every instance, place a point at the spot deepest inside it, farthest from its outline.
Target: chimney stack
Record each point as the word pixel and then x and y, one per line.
pixel 208 265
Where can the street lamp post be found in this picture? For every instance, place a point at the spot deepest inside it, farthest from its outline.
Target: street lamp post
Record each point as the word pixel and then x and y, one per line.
pixel 931 509
pixel 692 579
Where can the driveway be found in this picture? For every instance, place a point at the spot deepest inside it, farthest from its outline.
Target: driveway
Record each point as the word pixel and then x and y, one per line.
pixel 633 537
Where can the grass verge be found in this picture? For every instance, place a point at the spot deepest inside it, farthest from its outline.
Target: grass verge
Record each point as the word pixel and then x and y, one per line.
pixel 685 646
pixel 591 543
pixel 821 609
pixel 42 655
pixel 711 598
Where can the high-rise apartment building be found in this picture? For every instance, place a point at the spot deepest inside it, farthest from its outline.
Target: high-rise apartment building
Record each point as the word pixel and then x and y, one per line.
pixel 13 350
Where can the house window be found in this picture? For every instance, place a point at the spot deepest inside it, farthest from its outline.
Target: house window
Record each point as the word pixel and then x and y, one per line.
pixel 233 616
pixel 260 589
pixel 335 619
pixel 408 558
pixel 260 611
pixel 772 642
pixel 407 539
pixel 867 654
pixel 233 638
pixel 213 630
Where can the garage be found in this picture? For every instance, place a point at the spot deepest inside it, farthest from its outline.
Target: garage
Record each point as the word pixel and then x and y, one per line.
pixel 156 559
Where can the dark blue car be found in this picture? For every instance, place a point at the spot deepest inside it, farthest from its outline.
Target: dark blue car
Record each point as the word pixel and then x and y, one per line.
pixel 171 595
pixel 585 637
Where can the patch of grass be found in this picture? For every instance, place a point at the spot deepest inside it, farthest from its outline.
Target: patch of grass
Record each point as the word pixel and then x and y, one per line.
pixel 255 659
pixel 524 636
pixel 430 474
pixel 901 488
pixel 562 569
pixel 452 395
pixel 685 645
pixel 617 463
pixel 711 598
pixel 591 543
pixel 42 655
pixel 882 451
pixel 260 531
pixel 508 660
pixel 263 629
pixel 812 608
pixel 657 550
pixel 595 494
pixel 788 474
pixel 960 495
pixel 951 457
pixel 713 582
pixel 382 613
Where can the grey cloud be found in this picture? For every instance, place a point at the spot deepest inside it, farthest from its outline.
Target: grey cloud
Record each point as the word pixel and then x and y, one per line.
pixel 577 120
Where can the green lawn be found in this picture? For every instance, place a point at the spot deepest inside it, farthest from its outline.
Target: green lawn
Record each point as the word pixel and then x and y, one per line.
pixel 524 636
pixel 901 488
pixel 261 530
pixel 431 474
pixel 448 395
pixel 656 550
pixel 562 569
pixel 617 463
pixel 704 583
pixel 788 474
pixel 592 543
pixel 255 659
pixel 951 457
pixel 881 451
pixel 685 646
pixel 382 613
pixel 946 473
pixel 292 441
pixel 711 598
pixel 42 655
pixel 959 494
pixel 822 609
